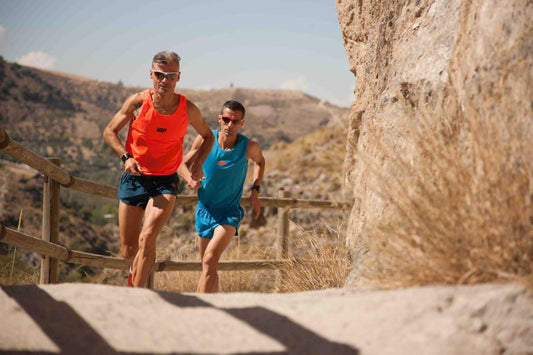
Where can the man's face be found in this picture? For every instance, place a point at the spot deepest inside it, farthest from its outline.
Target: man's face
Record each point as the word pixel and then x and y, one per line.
pixel 165 77
pixel 230 122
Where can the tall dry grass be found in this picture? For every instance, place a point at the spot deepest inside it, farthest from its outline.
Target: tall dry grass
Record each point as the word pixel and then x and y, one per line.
pixel 460 209
pixel 318 260
pixel 14 271
pixel 229 281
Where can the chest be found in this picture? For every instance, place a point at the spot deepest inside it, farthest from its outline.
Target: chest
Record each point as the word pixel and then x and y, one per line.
pixel 226 160
pixel 155 126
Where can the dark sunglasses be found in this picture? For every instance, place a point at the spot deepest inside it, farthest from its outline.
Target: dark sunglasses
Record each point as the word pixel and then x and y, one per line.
pixel 228 119
pixel 160 75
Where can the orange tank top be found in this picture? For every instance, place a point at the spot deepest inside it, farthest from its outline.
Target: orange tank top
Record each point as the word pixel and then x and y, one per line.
pixel 156 140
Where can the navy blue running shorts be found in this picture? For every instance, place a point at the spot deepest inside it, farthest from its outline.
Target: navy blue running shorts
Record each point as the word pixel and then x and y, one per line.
pixel 137 190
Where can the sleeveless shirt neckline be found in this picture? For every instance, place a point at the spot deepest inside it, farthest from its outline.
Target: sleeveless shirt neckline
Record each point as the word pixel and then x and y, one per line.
pixel 227 150
pixel 162 114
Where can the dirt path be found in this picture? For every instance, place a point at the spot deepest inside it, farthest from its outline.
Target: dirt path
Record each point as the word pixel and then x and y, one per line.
pixel 100 319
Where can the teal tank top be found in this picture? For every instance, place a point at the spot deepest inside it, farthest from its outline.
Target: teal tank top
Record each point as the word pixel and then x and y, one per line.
pixel 224 172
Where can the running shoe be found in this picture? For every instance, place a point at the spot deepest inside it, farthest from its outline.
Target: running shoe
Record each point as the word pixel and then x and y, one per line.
pixel 130 278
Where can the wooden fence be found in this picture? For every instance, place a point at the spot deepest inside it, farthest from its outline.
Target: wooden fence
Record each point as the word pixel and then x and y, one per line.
pixel 51 251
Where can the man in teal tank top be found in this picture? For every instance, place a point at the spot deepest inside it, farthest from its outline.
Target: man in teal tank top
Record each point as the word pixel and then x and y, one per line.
pixel 219 212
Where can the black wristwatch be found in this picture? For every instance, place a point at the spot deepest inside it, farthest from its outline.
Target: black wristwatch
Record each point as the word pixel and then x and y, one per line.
pixel 255 187
pixel 125 157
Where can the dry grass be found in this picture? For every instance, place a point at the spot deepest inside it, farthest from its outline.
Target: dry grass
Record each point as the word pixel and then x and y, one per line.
pixel 461 208
pixel 230 281
pixel 13 271
pixel 319 260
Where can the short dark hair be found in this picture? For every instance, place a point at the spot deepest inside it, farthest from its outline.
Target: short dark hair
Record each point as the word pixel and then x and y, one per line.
pixel 166 57
pixel 233 106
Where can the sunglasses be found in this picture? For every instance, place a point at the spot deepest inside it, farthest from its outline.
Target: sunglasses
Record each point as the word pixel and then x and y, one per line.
pixel 160 75
pixel 227 120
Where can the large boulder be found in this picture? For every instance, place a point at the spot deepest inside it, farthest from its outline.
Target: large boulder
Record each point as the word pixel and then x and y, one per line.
pixel 462 69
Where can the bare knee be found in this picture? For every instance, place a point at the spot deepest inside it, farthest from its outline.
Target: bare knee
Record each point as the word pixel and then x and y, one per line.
pixel 209 263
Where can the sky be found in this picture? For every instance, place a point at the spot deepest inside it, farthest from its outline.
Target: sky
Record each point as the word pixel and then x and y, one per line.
pixel 275 44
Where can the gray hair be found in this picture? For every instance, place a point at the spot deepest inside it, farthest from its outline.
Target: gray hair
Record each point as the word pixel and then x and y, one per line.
pixel 166 57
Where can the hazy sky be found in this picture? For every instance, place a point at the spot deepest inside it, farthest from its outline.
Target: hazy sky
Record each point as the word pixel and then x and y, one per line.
pixel 250 43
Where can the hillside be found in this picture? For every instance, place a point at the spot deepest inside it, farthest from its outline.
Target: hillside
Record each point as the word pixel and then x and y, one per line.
pixel 56 114
pixel 82 227
pixel 63 116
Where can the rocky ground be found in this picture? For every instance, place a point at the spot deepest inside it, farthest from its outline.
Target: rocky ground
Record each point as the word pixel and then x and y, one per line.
pixel 99 319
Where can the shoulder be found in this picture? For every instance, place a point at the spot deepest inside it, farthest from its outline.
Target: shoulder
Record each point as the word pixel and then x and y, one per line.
pixel 139 96
pixel 192 109
pixel 254 152
pixel 190 105
pixel 253 146
pixel 135 100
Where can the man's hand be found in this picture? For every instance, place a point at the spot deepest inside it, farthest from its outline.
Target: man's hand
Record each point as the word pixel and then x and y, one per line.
pixel 132 166
pixel 197 173
pixel 254 202
pixel 195 184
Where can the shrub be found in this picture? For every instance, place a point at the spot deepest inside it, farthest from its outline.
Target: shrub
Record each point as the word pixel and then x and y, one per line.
pixel 462 207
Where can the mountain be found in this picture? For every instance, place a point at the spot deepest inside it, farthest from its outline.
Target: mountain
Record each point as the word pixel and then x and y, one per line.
pixel 62 115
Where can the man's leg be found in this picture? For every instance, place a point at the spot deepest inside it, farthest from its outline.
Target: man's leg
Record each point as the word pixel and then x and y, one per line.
pixel 210 252
pixel 156 215
pixel 130 222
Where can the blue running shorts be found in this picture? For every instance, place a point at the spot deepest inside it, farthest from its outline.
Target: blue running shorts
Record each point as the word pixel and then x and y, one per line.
pixel 208 219
pixel 137 190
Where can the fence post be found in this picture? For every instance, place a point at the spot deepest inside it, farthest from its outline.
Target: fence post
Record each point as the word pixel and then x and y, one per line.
pixel 282 248
pixel 283 227
pixel 50 224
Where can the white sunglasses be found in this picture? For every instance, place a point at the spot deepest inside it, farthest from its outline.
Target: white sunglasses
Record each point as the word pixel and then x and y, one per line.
pixel 160 75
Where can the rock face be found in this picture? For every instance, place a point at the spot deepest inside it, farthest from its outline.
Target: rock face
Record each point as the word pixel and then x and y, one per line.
pixel 433 61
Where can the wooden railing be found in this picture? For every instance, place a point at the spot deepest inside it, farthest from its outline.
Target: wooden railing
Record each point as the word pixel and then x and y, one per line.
pixel 51 251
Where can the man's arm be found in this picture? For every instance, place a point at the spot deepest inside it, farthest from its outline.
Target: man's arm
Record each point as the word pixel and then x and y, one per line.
pixel 197 160
pixel 183 170
pixel 256 155
pixel 116 124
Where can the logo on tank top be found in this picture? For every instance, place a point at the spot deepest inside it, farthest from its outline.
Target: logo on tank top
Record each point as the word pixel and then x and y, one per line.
pixel 161 130
pixel 222 162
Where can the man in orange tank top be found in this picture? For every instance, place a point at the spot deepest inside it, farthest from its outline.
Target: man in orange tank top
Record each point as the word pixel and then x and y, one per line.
pixel 151 155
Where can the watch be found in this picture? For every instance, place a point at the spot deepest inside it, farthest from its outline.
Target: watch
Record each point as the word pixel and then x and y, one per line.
pixel 125 157
pixel 255 187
